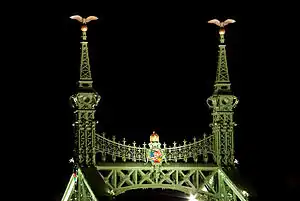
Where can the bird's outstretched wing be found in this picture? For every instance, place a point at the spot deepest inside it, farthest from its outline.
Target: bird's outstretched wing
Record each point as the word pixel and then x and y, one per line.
pixel 228 21
pixel 215 21
pixel 90 18
pixel 76 17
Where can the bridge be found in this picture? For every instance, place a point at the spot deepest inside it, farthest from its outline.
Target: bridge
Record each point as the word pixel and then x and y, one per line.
pixel 105 166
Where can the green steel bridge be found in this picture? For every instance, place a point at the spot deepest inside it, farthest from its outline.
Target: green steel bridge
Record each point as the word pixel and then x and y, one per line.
pixel 105 166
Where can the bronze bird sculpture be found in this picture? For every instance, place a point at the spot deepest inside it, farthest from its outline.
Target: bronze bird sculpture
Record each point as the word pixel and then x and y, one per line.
pixel 84 21
pixel 221 24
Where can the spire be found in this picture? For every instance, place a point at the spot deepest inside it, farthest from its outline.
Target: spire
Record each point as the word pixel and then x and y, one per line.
pixel 222 82
pixel 85 80
pixel 84 101
pixel 222 103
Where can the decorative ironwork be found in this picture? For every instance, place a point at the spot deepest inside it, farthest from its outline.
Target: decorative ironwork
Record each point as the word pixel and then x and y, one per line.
pixel 85 102
pixel 196 151
pixel 194 168
pixel 222 103
pixel 78 189
pixel 85 69
pixel 205 182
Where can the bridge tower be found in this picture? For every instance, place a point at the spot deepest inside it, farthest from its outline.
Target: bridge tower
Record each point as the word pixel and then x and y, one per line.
pixel 84 102
pixel 222 103
pixel 105 166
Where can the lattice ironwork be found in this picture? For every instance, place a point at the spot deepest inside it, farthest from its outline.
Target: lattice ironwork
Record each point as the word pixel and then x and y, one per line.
pixel 222 103
pixel 85 102
pixel 198 150
pixel 85 69
pixel 207 182
pixel 191 167
pixel 222 70
pixel 78 189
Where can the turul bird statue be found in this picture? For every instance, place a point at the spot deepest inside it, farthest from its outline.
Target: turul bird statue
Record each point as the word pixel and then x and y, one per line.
pixel 221 24
pixel 84 21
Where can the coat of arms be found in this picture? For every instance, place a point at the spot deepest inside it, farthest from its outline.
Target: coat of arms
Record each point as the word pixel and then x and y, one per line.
pixel 155 154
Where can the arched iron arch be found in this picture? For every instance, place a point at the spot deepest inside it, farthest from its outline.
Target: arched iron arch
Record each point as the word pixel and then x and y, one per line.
pixel 185 190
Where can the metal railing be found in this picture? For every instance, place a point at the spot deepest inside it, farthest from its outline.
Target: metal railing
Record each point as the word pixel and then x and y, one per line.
pixel 198 150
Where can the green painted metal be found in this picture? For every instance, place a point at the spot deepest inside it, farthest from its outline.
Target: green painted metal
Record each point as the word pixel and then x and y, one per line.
pixel 197 167
pixel 78 189
pixel 85 101
pixel 197 150
pixel 222 103
pixel 206 182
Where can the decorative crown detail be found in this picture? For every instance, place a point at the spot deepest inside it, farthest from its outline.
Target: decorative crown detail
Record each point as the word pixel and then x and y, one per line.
pixel 154 137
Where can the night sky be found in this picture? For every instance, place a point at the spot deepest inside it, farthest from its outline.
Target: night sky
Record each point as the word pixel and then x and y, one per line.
pixel 154 67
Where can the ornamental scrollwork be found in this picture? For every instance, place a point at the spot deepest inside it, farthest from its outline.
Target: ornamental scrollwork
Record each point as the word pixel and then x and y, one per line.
pixel 196 151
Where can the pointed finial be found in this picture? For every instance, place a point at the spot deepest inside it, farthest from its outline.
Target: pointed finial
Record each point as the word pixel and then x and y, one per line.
pixel 85 70
pixel 174 143
pixel 222 26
